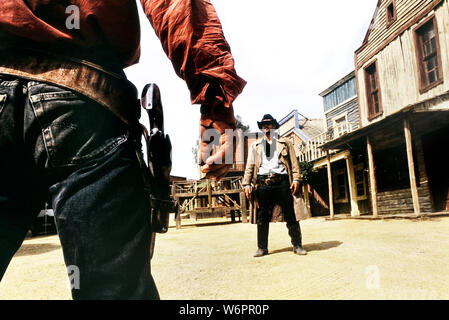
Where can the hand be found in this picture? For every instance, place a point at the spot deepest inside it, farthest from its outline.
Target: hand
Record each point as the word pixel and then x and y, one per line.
pixel 216 163
pixel 294 187
pixel 248 190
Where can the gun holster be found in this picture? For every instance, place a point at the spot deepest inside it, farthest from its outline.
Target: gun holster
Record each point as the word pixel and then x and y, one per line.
pixel 158 151
pixel 158 179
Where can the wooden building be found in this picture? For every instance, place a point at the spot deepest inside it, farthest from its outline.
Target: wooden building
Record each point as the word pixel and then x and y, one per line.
pixel 301 132
pixel 338 184
pixel 299 129
pixel 402 76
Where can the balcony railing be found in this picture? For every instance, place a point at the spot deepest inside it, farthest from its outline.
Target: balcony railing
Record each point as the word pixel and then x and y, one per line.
pixel 311 150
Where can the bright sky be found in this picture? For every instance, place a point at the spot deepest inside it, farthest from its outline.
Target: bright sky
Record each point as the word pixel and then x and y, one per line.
pixel 287 50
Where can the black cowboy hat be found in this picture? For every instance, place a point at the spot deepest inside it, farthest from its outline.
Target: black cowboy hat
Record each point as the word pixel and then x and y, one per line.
pixel 267 119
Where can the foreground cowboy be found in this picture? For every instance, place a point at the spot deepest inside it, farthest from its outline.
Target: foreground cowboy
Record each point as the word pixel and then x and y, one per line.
pixel 69 126
pixel 272 179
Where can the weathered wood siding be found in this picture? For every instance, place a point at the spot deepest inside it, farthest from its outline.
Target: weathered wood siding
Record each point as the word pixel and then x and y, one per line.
pixel 396 60
pixel 379 34
pixel 351 108
pixel 341 99
pixel 400 201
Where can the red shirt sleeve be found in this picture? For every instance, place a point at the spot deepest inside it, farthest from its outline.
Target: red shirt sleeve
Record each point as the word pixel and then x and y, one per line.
pixel 192 37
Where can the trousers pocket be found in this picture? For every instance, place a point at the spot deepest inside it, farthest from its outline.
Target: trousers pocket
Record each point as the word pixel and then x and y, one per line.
pixel 75 129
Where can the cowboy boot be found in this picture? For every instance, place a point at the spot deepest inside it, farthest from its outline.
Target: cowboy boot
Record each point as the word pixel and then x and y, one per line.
pixel 294 231
pixel 262 239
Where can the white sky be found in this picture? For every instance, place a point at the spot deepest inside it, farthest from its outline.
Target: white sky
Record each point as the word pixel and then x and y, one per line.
pixel 287 50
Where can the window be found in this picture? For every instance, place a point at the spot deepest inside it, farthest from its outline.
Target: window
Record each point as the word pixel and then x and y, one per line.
pixel 428 55
pixel 391 13
pixel 373 91
pixel 340 125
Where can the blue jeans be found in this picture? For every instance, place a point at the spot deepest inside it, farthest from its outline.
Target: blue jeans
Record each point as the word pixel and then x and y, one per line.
pixel 56 143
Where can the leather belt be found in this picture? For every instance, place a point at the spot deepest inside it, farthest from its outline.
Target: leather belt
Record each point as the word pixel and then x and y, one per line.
pixel 271 179
pixel 107 88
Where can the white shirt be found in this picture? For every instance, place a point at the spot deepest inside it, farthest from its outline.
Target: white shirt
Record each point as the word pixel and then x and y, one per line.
pixel 270 163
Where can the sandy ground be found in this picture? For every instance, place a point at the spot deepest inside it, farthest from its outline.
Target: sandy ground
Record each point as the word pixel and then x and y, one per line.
pixel 347 259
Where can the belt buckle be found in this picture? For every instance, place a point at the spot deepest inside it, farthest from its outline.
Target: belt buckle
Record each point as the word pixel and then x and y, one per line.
pixel 271 179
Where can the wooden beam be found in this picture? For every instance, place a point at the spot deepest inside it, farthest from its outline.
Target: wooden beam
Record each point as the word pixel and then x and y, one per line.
pixel 329 181
pixel 209 195
pixel 206 193
pixel 372 177
pixel 411 166
pixel 352 187
pixel 333 158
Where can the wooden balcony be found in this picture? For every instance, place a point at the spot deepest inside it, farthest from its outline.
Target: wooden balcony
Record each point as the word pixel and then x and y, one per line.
pixel 311 150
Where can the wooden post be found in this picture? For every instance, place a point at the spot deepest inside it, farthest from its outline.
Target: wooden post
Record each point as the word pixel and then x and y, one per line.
pixel 178 212
pixel 352 187
pixel 329 179
pixel 209 195
pixel 411 167
pixel 372 177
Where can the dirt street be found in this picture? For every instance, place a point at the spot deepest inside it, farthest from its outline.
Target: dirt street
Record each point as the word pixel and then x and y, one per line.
pixel 347 259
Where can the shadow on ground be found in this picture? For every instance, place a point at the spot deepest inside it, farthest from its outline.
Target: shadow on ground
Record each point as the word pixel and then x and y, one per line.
pixel 205 224
pixel 325 245
pixel 35 249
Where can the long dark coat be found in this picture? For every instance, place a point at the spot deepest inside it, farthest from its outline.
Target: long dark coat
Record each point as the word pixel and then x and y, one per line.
pixel 287 157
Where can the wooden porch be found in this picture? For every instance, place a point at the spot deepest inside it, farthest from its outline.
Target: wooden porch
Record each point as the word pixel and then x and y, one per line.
pixel 413 140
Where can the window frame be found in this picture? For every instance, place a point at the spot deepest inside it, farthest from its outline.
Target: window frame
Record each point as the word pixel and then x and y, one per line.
pixel 335 126
pixel 369 92
pixel 361 167
pixel 391 19
pixel 423 80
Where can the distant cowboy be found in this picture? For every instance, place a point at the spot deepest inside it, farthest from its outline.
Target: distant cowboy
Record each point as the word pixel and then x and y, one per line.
pixel 272 181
